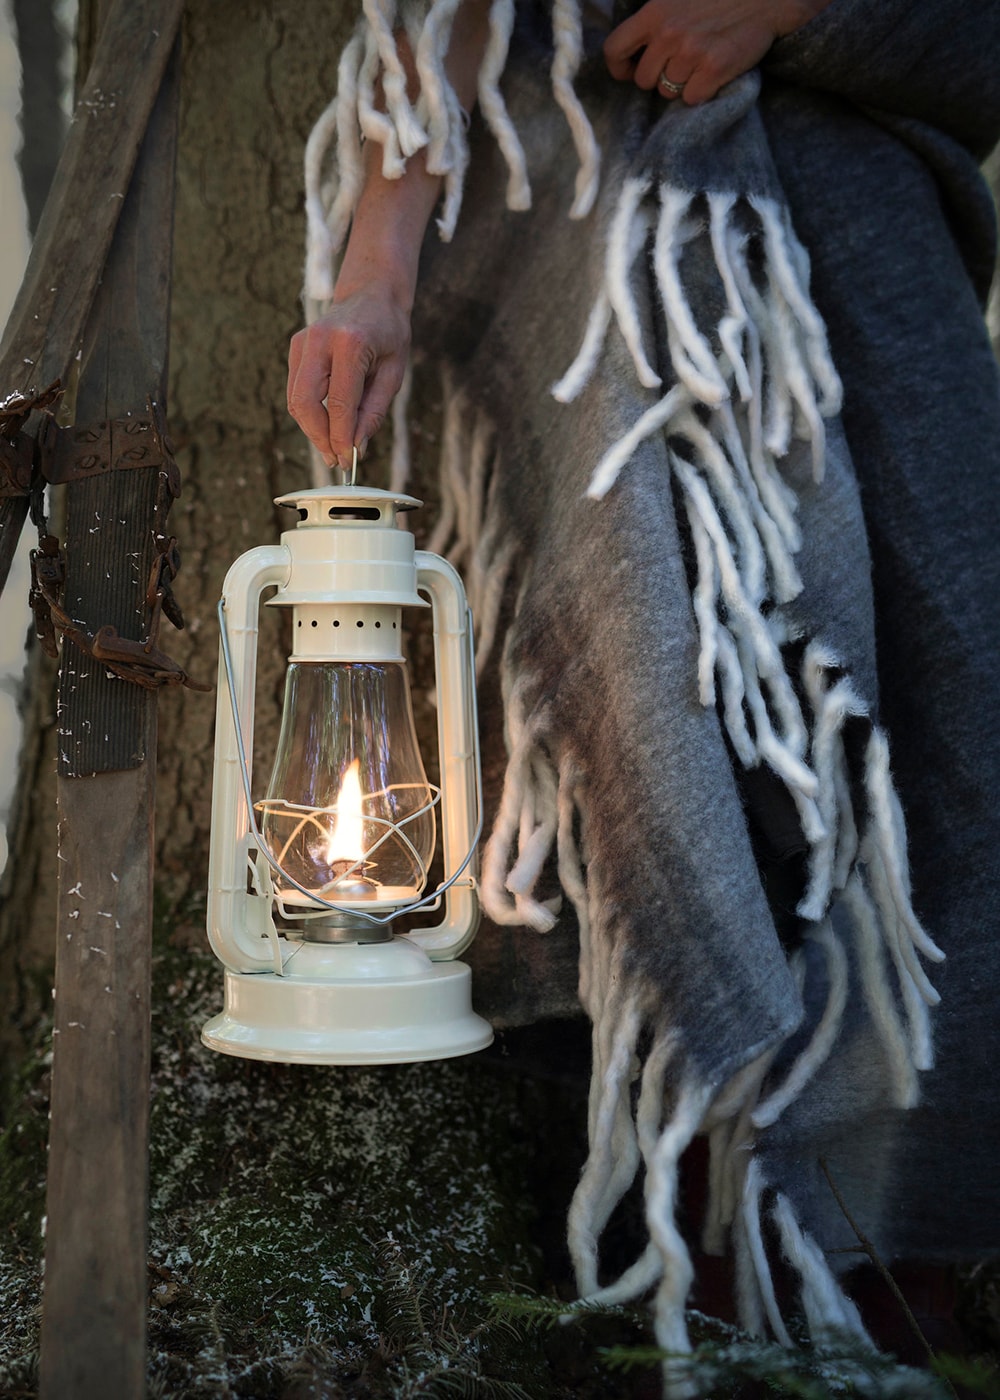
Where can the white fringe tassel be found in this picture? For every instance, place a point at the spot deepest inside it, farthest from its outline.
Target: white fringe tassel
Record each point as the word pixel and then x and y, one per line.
pixel 330 201
pixel 725 453
pixel 830 1315
pixel 407 130
pixel 567 31
pixel 528 817
pixel 470 528
pixel 435 124
pixel 769 347
pixel 828 1309
pixel 493 108
pixel 818 1050
pixel 619 1143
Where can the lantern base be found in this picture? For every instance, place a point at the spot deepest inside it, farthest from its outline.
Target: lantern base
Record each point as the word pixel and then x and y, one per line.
pixel 353 1004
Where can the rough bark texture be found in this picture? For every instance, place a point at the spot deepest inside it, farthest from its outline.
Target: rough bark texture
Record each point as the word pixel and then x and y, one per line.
pixel 252 87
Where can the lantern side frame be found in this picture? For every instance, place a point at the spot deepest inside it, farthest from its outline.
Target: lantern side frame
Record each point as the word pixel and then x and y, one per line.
pixel 457 714
pixel 238 919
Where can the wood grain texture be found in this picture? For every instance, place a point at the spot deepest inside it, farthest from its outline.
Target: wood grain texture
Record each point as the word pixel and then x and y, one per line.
pixel 95 1293
pixel 93 1338
pixel 111 519
pixel 46 325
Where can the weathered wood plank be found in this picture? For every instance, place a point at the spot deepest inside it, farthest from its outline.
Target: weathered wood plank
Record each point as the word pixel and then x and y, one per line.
pixel 110 519
pixel 93 1342
pixel 67 256
pixel 95 1294
pixel 46 324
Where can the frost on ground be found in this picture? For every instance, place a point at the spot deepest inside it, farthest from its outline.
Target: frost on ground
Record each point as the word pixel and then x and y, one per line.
pixel 342 1232
pixel 347 1221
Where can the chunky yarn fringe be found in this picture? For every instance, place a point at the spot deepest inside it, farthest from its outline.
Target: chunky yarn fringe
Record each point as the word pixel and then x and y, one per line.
pixel 857 860
pixel 730 419
pixel 434 123
pixel 744 391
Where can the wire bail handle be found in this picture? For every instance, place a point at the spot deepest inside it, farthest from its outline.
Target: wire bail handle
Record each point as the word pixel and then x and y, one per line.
pixel 350 477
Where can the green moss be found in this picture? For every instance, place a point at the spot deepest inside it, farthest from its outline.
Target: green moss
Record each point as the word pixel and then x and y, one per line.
pixel 22 1157
pixel 360 1215
pixel 326 1232
pixel 22 1206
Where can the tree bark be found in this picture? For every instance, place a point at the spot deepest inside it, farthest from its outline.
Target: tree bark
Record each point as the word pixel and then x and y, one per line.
pixel 237 279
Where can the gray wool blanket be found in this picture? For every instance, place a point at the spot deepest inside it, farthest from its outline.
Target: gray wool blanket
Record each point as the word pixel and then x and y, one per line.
pixel 719 456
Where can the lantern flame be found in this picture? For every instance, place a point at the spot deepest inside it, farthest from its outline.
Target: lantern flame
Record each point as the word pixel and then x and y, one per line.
pixel 346 843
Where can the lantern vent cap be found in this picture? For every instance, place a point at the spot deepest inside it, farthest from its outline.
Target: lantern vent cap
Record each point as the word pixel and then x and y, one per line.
pixel 322 505
pixel 348 548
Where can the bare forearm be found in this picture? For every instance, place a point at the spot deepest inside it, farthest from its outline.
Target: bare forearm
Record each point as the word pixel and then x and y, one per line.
pixel 392 215
pixel 345 368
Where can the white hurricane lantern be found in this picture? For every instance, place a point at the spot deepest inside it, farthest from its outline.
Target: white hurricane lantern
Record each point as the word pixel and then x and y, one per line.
pixel 306 880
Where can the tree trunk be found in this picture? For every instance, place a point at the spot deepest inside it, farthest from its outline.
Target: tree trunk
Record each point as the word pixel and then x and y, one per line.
pixel 253 85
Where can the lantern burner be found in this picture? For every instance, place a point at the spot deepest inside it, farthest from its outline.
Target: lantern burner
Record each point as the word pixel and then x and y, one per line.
pixel 351 885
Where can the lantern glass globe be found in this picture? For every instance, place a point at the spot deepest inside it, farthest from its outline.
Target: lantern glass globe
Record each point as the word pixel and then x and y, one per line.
pixel 349 813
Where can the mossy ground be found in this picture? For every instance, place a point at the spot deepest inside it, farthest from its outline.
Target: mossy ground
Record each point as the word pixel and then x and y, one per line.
pixel 326 1232
pixel 317 1231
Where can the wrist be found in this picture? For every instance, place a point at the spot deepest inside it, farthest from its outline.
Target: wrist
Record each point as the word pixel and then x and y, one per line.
pixel 379 265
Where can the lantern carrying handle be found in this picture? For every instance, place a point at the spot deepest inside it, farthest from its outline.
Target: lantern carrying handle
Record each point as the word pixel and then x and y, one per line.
pixel 350 474
pixel 238 921
pixel 461 776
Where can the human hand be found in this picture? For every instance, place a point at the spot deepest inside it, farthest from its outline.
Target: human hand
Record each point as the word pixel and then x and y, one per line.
pixel 345 368
pixel 700 45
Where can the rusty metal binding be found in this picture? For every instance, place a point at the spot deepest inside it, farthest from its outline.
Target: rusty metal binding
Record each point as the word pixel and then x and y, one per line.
pixel 80 453
pixel 142 663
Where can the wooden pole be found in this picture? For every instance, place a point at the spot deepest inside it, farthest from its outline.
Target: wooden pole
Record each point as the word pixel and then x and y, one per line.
pixel 95 1290
pixel 68 253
